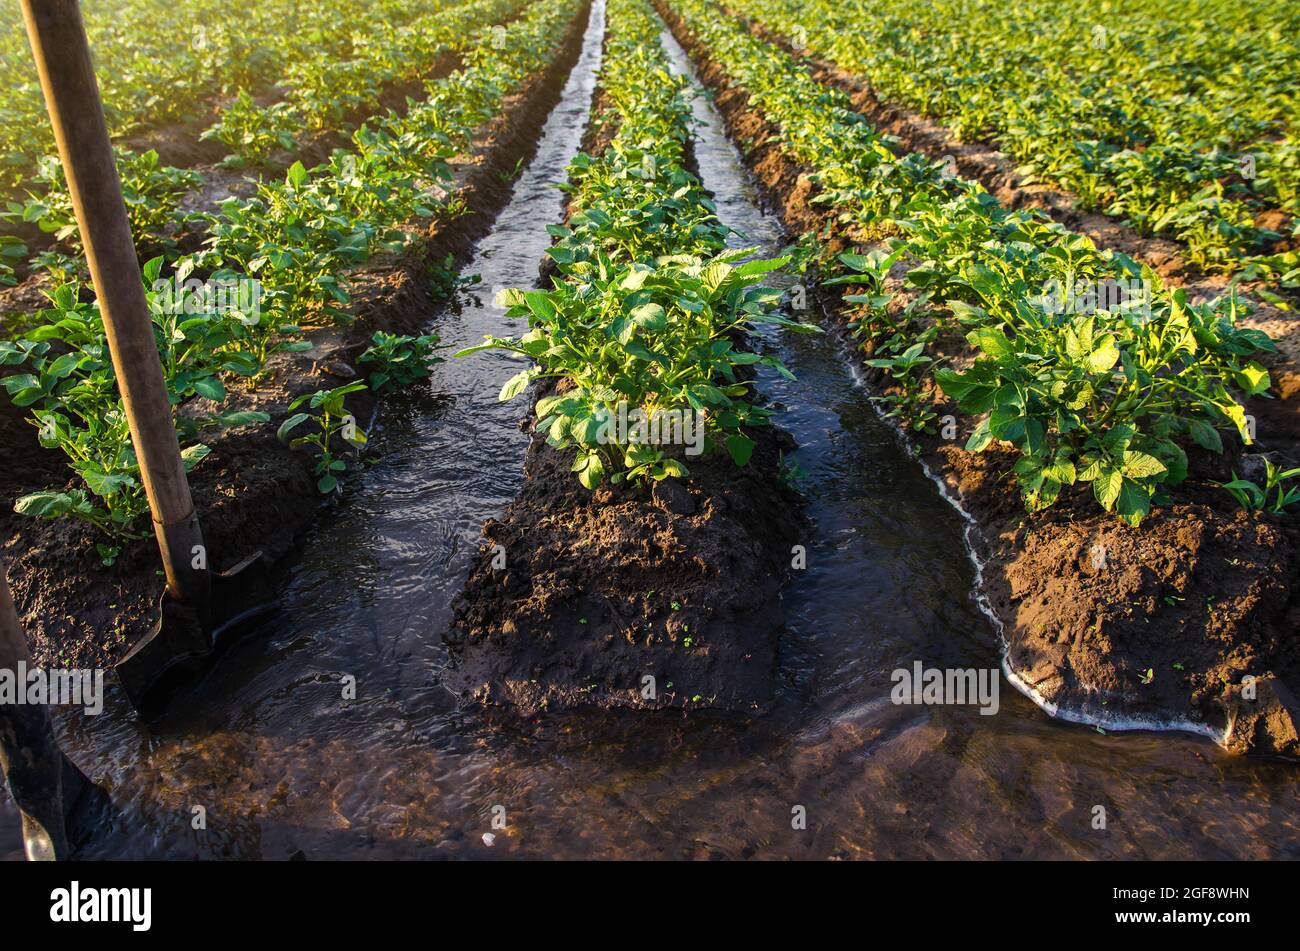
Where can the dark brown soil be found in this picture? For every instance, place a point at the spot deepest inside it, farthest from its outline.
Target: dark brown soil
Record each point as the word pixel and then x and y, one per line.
pixel 1200 595
pixel 252 493
pixel 577 597
pixel 600 590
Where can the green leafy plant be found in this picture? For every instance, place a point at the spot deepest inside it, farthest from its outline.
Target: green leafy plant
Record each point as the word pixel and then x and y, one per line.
pixel 11 252
pixel 152 193
pixel 650 305
pixel 117 500
pixel 911 405
pixel 254 132
pixel 331 425
pixel 398 360
pixel 1253 497
pixel 70 386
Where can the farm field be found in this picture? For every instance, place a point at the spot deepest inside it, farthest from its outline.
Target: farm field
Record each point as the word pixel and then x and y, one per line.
pixel 647 417
pixel 1177 118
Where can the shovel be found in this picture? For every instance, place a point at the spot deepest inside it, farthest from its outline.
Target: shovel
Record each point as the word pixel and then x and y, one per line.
pixel 185 633
pixel 196 604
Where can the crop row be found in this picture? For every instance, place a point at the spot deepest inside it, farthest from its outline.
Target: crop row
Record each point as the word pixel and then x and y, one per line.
pixel 272 263
pixel 645 317
pixel 318 93
pixel 1079 359
pixel 157 62
pixel 322 93
pixel 1176 116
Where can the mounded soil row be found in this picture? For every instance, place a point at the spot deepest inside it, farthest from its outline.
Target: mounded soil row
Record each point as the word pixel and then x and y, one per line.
pixel 577 597
pixel 1202 596
pixel 252 493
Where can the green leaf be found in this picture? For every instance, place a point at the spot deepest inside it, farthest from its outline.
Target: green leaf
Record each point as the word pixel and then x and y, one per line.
pixel 1205 435
pixel 650 317
pixel 1092 468
pixel 515 385
pixel 243 418
pixel 592 471
pixel 539 303
pixel 44 504
pixel 1139 465
pixel 1061 470
pixel 1106 487
pixel 103 483
pixel 289 424
pixel 741 448
pixel 191 456
pixel 587 430
pixel 62 366
pixel 211 387
pixel 491 344
pixel 980 439
pixel 622 328
pixel 1118 437
pixel 1104 356
pixel 1134 503
pixel 1253 379
pixel 954 384
pixel 1007 422
pixel 761 266
pixel 992 341
pixel 636 278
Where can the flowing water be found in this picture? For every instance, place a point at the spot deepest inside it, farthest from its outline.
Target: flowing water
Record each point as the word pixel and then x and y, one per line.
pixel 280 763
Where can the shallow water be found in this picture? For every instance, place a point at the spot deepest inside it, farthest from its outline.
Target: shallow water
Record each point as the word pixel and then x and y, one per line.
pixel 282 764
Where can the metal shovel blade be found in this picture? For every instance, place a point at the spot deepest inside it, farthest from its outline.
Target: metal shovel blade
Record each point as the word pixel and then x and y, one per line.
pixel 183 637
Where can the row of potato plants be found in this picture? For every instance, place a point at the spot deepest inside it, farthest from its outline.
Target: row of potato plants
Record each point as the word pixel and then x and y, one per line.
pixel 157 62
pixel 318 93
pixel 321 94
pixel 1176 116
pixel 647 313
pixel 1098 391
pixel 296 241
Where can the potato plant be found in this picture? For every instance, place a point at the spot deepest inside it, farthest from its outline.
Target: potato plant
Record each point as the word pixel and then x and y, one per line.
pixel 329 425
pixel 650 307
pixel 72 393
pixel 397 361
